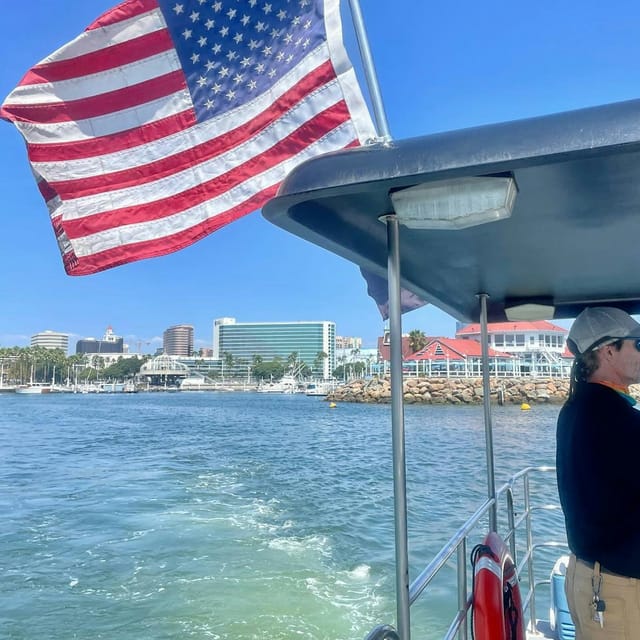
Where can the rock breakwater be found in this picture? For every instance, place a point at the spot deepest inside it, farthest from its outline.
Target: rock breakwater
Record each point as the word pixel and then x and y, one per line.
pixel 458 391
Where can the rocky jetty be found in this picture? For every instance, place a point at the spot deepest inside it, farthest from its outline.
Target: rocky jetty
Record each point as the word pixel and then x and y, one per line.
pixel 458 391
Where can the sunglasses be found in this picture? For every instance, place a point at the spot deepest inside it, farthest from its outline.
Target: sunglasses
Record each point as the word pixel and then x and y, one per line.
pixel 608 341
pixel 636 342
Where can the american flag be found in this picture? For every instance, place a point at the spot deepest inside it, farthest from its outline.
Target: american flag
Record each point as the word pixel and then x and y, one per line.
pixel 166 120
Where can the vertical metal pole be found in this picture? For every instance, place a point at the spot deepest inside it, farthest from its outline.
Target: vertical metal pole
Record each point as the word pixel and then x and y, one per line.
pixel 397 430
pixel 488 429
pixel 382 126
pixel 462 588
pixel 532 578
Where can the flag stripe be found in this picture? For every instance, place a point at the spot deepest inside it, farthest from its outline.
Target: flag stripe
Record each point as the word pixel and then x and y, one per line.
pixel 108 144
pixel 109 125
pixel 56 95
pixel 97 62
pixel 129 10
pixel 105 103
pixel 128 26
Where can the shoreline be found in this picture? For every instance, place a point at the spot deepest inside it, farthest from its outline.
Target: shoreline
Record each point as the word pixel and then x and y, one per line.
pixel 459 391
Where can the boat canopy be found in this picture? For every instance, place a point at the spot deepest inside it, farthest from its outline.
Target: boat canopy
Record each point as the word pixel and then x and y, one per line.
pixel 572 239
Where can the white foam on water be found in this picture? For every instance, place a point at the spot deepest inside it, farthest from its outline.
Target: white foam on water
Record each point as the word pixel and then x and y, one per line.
pixel 361 572
pixel 309 544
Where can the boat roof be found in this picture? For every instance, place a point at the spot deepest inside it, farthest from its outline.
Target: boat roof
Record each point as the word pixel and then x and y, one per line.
pixel 572 238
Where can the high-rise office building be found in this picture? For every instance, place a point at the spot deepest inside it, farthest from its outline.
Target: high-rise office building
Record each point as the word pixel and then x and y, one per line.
pixel 269 340
pixel 110 343
pixel 178 340
pixel 51 340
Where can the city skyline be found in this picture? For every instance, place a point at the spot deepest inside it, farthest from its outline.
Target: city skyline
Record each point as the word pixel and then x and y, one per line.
pixel 546 59
pixel 137 347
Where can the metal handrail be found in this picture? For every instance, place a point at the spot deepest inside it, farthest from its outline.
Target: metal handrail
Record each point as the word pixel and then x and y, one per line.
pixel 457 544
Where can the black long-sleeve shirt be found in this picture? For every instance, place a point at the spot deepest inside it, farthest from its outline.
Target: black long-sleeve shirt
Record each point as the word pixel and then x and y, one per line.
pixel 598 467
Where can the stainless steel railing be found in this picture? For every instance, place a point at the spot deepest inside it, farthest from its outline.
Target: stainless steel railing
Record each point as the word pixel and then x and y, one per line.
pixel 518 515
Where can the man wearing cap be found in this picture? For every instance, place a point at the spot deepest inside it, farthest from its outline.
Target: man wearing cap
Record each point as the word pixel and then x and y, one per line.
pixel 598 467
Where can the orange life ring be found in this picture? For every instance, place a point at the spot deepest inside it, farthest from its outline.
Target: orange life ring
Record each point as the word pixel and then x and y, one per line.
pixel 496 601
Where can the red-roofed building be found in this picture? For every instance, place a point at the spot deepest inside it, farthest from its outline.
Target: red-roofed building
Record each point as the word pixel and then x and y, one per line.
pixel 455 356
pixel 539 346
pixel 536 349
pixel 519 336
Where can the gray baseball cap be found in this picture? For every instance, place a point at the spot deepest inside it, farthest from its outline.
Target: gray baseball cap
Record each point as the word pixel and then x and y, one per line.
pixel 597 325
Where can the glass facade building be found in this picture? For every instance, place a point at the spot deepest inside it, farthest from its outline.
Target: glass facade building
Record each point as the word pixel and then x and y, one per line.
pixel 269 340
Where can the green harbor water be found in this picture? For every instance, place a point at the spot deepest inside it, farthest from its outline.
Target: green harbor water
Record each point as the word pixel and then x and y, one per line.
pixel 232 515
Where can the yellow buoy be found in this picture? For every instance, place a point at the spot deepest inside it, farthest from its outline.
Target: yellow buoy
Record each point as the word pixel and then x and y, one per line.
pixel 332 405
pixel 525 407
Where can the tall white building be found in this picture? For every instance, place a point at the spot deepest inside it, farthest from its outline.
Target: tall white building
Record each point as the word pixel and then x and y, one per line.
pixel 51 340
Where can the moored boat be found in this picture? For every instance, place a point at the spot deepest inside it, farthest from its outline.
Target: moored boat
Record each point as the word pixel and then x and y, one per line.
pixel 287 384
pixel 198 383
pixel 321 388
pixel 34 388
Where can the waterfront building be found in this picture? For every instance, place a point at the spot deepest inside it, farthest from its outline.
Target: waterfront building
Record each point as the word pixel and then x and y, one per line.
pixel 519 337
pixel 243 341
pixel 455 357
pixel 539 347
pixel 536 349
pixel 178 340
pixel 110 344
pixel 51 340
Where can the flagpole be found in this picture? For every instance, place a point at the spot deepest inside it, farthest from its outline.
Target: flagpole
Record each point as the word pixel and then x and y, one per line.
pixel 382 126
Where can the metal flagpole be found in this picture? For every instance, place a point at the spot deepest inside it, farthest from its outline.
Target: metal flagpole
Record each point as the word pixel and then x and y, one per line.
pixel 382 126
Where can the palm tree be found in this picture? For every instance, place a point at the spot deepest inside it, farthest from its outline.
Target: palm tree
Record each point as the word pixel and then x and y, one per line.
pixel 318 363
pixel 417 340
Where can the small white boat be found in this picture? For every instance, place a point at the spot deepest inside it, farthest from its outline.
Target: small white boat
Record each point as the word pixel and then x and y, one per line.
pixel 198 383
pixel 34 388
pixel 287 384
pixel 322 388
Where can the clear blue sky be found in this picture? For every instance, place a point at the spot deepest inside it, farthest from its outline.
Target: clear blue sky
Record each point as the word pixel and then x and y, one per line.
pixel 441 66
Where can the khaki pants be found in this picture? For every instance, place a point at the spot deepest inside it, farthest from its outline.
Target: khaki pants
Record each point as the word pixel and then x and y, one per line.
pixel 621 596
